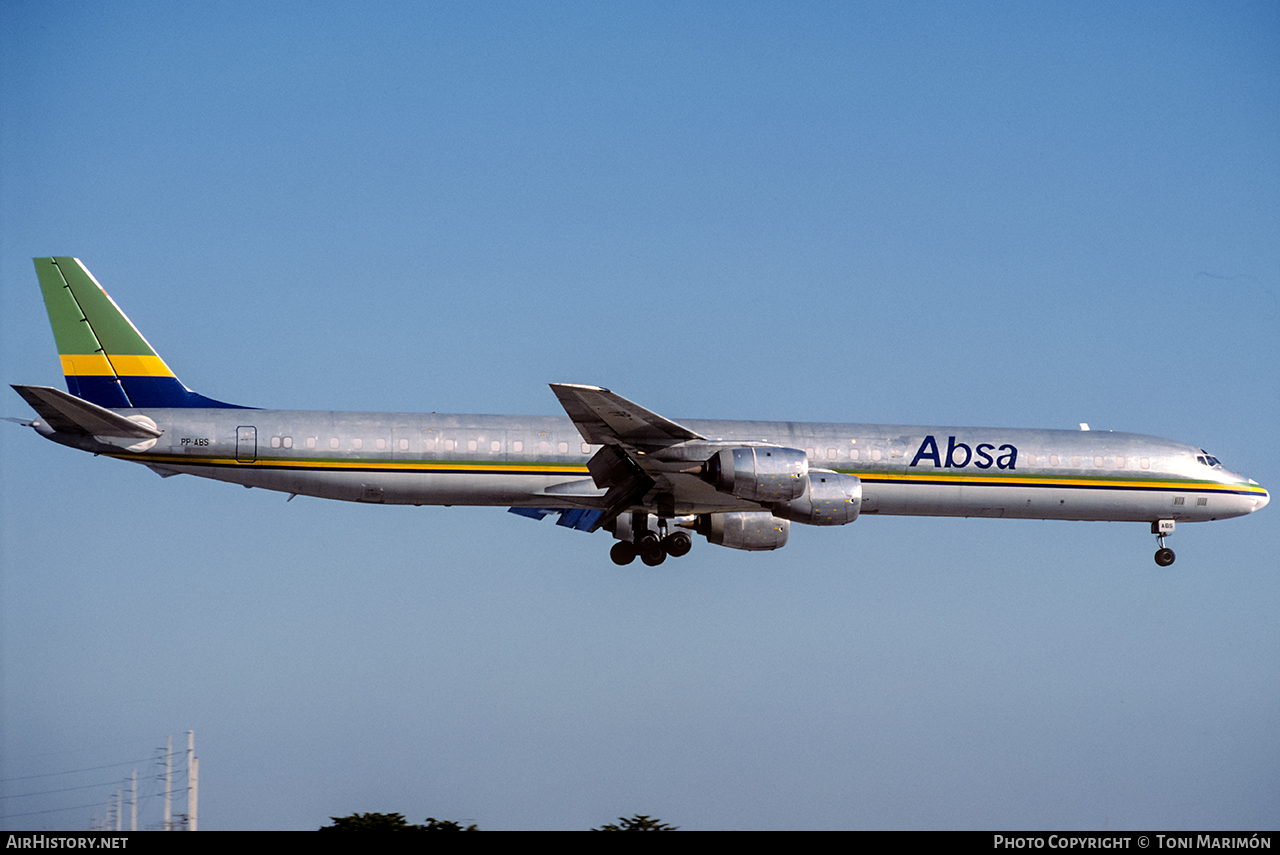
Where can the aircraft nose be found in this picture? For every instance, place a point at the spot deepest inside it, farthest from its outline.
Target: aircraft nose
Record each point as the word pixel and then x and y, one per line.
pixel 1261 501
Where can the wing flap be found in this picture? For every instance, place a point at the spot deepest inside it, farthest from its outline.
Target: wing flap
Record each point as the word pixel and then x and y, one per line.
pixel 582 519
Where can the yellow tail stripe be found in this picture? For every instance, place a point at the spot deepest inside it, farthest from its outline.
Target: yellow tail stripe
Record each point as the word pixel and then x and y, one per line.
pixel 96 364
pixel 86 365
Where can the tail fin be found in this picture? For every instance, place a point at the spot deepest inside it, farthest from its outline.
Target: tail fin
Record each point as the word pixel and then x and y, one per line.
pixel 105 359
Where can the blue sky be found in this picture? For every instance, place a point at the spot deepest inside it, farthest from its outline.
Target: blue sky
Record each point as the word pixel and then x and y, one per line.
pixel 1028 215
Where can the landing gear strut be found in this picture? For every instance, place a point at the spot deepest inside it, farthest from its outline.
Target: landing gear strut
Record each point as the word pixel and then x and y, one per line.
pixel 1164 555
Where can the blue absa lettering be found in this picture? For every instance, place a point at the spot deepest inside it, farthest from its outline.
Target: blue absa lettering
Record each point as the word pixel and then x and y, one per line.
pixel 960 454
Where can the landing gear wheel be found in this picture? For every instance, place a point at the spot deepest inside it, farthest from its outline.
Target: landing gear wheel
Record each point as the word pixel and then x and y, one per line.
pixel 1162 529
pixel 651 551
pixel 622 553
pixel 677 544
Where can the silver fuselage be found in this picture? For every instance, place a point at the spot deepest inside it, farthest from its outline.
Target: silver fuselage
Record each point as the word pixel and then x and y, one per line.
pixel 541 461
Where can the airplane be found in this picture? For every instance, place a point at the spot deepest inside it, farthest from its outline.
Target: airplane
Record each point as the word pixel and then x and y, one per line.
pixel 611 464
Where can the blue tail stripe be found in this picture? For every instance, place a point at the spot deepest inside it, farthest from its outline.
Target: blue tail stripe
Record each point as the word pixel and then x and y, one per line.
pixel 166 392
pixel 101 390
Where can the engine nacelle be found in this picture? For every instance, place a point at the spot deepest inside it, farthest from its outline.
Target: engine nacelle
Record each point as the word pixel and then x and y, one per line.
pixel 755 531
pixel 759 474
pixel 832 499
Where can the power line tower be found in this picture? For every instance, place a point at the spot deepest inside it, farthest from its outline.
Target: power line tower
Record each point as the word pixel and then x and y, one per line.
pixel 185 821
pixel 193 780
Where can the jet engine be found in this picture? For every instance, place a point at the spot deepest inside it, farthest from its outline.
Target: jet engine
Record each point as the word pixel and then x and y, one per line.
pixel 754 531
pixel 759 474
pixel 832 499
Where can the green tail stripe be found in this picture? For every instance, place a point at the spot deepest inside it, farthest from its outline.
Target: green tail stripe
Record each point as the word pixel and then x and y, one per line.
pixel 114 332
pixel 71 330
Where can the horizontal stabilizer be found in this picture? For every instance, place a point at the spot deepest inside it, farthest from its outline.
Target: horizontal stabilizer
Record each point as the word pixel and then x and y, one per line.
pixel 69 414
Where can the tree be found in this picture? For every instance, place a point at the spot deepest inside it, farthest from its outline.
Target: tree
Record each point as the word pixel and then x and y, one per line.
pixel 639 822
pixel 390 822
pixel 434 824
pixel 369 822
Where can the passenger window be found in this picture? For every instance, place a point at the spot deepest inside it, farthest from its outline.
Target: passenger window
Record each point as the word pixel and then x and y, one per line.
pixel 517 446
pixel 333 442
pixel 471 445
pixel 404 445
pixel 495 446
pixel 831 454
pixel 449 445
pixel 275 442
pixel 1145 462
pixel 357 443
pixel 287 442
pixel 586 449
pixel 564 447
pixel 311 442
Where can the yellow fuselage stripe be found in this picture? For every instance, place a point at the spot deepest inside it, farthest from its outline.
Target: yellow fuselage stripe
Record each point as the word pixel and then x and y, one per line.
pixel 297 463
pixel 568 468
pixel 1052 481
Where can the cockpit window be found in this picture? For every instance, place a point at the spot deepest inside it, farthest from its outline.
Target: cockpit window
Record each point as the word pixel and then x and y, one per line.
pixel 1208 459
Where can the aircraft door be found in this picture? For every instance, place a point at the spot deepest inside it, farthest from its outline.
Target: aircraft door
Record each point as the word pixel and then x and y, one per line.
pixel 246 444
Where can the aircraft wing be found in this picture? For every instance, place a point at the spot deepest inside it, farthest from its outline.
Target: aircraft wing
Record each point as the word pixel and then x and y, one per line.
pixel 604 418
pixel 643 462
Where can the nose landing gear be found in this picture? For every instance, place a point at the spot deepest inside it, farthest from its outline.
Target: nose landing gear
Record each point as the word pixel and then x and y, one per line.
pixel 1160 528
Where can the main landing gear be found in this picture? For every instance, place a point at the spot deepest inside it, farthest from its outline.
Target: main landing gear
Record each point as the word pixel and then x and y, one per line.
pixel 1164 555
pixel 651 548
